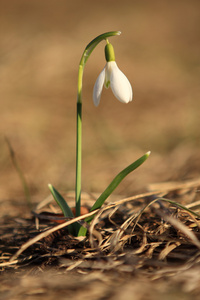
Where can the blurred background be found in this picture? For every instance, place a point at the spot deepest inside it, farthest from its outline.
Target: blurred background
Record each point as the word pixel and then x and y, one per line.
pixel 158 50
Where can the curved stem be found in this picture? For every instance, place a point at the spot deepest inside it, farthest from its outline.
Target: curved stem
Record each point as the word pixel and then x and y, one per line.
pixel 87 52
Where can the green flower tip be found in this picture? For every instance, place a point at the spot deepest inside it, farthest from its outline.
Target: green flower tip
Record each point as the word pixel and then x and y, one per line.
pixel 109 52
pixel 148 153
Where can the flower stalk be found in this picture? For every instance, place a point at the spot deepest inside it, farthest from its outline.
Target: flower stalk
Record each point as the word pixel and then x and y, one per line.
pixel 87 52
pixel 111 76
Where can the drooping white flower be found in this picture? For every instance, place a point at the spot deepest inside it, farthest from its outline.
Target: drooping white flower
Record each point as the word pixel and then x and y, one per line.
pixel 112 76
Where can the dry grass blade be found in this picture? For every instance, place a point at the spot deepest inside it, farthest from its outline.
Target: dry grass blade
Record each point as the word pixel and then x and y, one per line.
pixel 122 230
pixel 115 206
pixel 180 226
pixel 136 197
pixel 48 232
pixel 193 205
pixel 9 263
pixel 174 185
pixel 169 247
pixel 63 225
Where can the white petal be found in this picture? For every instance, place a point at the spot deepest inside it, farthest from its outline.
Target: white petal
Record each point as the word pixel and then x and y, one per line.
pixel 120 85
pixel 98 88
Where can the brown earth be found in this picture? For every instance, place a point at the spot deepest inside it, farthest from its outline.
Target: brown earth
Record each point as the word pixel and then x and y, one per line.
pixel 41 45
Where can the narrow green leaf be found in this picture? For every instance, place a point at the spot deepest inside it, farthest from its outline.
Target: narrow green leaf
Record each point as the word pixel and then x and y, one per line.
pixel 112 186
pixel 180 206
pixel 61 202
pixel 116 181
pixel 64 207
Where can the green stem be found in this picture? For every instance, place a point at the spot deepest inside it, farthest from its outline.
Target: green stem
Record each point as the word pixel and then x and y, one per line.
pixel 87 52
pixel 78 158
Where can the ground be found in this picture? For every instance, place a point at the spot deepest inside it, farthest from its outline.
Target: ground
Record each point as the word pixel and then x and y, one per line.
pixel 158 50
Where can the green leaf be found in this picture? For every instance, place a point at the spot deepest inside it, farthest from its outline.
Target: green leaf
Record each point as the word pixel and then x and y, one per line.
pixel 64 207
pixel 112 186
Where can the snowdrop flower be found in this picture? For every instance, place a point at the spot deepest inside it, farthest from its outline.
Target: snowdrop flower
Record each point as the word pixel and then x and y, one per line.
pixel 113 77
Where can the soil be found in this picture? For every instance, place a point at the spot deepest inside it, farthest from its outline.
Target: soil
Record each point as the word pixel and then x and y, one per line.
pixel 141 246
